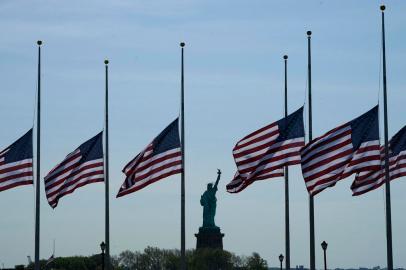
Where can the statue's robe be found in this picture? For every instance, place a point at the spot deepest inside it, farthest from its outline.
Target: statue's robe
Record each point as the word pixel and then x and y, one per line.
pixel 209 202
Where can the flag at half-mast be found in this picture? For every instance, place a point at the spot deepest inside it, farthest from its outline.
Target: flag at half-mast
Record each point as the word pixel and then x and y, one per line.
pixel 264 153
pixel 16 163
pixel 350 148
pixel 81 167
pixel 161 158
pixel 367 181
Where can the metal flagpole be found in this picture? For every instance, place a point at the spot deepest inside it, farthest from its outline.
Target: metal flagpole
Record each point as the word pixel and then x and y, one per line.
pixel 37 184
pixel 387 179
pixel 287 229
pixel 106 177
pixel 311 201
pixel 182 191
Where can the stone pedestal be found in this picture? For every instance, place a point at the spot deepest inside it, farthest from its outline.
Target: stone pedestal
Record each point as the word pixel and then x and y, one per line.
pixel 209 237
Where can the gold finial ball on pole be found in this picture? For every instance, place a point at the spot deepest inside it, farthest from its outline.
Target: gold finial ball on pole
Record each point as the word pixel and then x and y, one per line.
pixel 309 33
pixel 106 62
pixel 182 44
pixel 285 57
pixel 39 42
pixel 383 7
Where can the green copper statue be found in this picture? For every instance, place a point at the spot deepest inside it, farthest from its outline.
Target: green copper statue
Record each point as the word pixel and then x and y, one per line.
pixel 209 202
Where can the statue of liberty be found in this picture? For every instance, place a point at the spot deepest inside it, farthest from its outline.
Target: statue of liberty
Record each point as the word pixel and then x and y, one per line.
pixel 209 202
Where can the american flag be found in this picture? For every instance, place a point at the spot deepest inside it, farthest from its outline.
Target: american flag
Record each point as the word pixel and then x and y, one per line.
pixel 161 158
pixel 83 166
pixel 263 153
pixel 347 149
pixel 16 163
pixel 238 184
pixel 367 181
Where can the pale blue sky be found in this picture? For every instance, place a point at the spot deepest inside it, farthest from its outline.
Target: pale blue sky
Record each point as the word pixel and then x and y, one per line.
pixel 234 85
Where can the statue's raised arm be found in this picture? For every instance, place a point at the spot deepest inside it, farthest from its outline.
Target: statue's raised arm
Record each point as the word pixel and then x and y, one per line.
pixel 218 178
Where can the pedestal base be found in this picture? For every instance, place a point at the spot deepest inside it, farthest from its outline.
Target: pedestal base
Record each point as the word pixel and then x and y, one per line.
pixel 210 237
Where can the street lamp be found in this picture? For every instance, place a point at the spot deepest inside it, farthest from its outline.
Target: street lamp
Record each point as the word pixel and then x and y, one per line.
pixel 324 247
pixel 103 248
pixel 281 259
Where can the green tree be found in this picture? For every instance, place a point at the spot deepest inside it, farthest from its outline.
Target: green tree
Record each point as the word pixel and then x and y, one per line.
pixel 115 263
pixel 204 259
pixel 72 263
pixel 255 262
pixel 238 262
pixel 172 260
pixel 152 258
pixel 128 259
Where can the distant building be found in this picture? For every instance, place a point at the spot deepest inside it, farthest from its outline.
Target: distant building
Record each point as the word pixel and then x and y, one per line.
pixel 300 267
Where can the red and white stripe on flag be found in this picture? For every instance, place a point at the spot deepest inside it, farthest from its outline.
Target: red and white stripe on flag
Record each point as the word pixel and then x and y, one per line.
pixel 263 153
pixel 347 149
pixel 160 159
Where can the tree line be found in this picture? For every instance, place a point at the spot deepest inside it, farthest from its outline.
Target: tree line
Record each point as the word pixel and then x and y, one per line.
pixel 153 258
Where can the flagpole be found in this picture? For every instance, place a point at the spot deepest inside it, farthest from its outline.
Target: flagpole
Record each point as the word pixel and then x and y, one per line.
pixel 182 196
pixel 106 177
pixel 182 237
pixel 287 229
pixel 311 200
pixel 387 178
pixel 37 184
